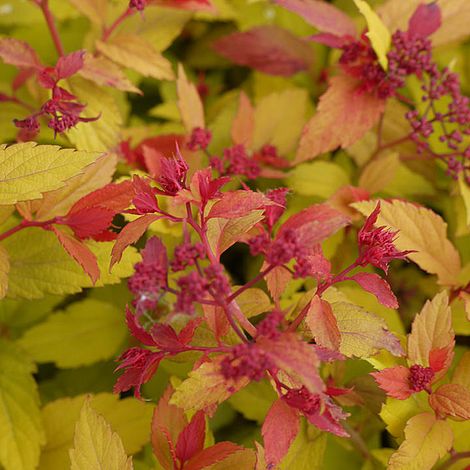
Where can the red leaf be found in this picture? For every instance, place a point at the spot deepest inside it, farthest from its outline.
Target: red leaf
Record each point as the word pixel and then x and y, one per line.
pixel 130 234
pixel 322 323
pixel 69 64
pixel 314 224
pixel 269 49
pixel 90 222
pixel 137 330
pixel 280 428
pixel 113 196
pixel 18 53
pixel 167 423
pixel 236 204
pixel 191 440
pixel 394 381
pixel 343 116
pixel 165 337
pixel 322 15
pixel 80 253
pixel 425 20
pixel 187 333
pixel 212 455
pixel 378 286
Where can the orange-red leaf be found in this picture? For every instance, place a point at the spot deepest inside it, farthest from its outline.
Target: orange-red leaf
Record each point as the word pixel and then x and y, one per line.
pixel 394 381
pixel 80 253
pixel 280 428
pixel 378 286
pixel 323 325
pixel 343 116
pixel 244 122
pixel 18 53
pixel 451 400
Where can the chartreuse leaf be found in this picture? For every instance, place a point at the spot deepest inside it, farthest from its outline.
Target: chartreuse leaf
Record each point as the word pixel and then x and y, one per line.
pixel 129 418
pixel 27 170
pixel 378 33
pixel 427 439
pixel 39 265
pixel 307 450
pixel 318 178
pixel 21 431
pixel 96 446
pixel 465 193
pixel 85 333
pixel 422 230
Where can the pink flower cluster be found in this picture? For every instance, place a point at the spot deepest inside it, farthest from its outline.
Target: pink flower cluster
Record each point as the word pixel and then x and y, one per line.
pixel 420 377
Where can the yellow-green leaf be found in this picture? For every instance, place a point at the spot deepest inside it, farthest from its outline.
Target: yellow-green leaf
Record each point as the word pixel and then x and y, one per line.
pixel 104 133
pixel 465 193
pixel 431 330
pixel 422 230
pixel 307 450
pixel 378 33
pixel 427 439
pixel 129 417
pixel 42 266
pixel 134 52
pixel 4 269
pixel 205 386
pixel 319 178
pixel 363 333
pixel 27 170
pixel 21 431
pixel 96 446
pixel 84 333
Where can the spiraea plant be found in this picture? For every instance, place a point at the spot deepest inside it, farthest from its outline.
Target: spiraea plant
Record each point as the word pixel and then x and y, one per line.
pixel 234 234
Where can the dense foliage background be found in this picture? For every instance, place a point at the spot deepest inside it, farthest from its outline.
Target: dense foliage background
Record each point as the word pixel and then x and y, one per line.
pixel 215 189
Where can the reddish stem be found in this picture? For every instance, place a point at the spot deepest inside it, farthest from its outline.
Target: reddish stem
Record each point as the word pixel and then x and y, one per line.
pixel 455 457
pixel 44 6
pixel 108 31
pixel 251 283
pixel 25 224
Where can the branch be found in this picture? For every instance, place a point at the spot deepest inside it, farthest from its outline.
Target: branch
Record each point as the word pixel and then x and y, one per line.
pixel 44 6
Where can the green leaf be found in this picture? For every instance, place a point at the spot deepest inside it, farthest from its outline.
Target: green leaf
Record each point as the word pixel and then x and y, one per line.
pixel 254 401
pixel 129 417
pixel 307 450
pixel 39 265
pixel 85 333
pixel 96 445
pixel 27 170
pixel 21 431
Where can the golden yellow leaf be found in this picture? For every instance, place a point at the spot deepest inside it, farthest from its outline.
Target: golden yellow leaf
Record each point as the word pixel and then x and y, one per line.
pixel 96 446
pixel 189 102
pixel 462 371
pixel 378 33
pixel 136 53
pixel 427 439
pixel 379 173
pixel 205 386
pixel 59 202
pixel 244 122
pixel 129 417
pixel 431 329
pixel 422 230
pixel 4 269
pixel 94 10
pixel 279 118
pixel 27 170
